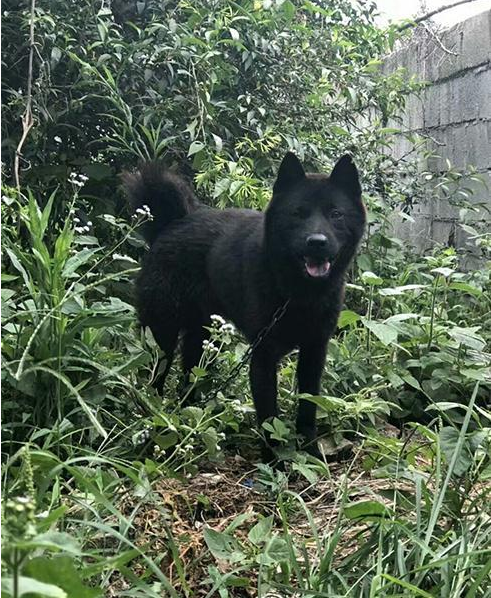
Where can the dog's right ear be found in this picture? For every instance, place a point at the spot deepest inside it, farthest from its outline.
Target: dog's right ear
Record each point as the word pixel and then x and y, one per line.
pixel 290 172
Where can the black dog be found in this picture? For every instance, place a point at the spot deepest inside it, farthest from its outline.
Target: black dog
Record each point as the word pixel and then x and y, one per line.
pixel 244 265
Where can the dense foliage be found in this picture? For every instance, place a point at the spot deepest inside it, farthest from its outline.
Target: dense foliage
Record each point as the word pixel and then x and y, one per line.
pixel 220 90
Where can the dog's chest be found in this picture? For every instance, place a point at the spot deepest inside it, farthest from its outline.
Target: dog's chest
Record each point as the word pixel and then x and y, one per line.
pixel 300 326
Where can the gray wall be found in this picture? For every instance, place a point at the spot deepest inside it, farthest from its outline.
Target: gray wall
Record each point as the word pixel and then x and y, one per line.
pixel 455 112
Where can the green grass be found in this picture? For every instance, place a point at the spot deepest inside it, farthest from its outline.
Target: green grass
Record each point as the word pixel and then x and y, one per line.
pixel 129 494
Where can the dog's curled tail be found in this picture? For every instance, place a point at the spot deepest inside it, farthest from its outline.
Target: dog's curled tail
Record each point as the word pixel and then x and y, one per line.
pixel 167 196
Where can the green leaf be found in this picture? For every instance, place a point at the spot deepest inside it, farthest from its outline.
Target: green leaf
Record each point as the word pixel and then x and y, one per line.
pixel 411 380
pixel 223 546
pixel 415 591
pixel 44 220
pixel 468 337
pixel 28 585
pixel 308 473
pixel 445 272
pixel 276 551
pixel 449 442
pixel 8 277
pixel 218 142
pixel 77 260
pixel 367 509
pixel 60 571
pixel 384 332
pixel 466 288
pixel 341 131
pixel 18 266
pixel 371 279
pixel 327 403
pixel 402 289
pixel 261 531
pixel 52 540
pixel 210 439
pixel 347 317
pixel 277 429
pixel 167 440
pixel 388 131
pixel 195 147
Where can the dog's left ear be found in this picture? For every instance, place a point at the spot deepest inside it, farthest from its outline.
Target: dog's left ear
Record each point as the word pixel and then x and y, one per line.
pixel 290 172
pixel 345 176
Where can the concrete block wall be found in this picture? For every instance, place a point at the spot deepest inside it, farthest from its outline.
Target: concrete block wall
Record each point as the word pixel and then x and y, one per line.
pixel 454 112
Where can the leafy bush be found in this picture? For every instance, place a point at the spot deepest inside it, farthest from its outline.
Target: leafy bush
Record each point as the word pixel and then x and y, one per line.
pixel 221 90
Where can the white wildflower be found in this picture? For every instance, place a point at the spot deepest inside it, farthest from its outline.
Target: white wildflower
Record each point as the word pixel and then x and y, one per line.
pixel 209 346
pixel 57 139
pixel 215 318
pixel 23 499
pixel 227 328
pixel 143 211
pixel 78 180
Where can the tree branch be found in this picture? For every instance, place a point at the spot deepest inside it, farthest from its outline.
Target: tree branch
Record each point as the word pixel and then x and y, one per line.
pixel 432 13
pixel 27 118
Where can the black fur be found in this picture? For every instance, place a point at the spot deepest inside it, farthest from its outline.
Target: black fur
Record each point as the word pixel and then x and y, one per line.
pixel 244 264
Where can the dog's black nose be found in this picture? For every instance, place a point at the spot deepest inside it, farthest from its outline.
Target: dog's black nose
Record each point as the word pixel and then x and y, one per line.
pixel 316 241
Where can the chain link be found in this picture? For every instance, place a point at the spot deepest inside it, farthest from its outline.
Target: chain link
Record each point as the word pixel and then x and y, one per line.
pixel 234 372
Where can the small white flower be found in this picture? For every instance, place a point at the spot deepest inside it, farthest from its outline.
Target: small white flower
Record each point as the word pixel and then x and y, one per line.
pixel 24 500
pixel 78 180
pixel 227 328
pixel 76 220
pixel 218 319
pixel 57 139
pixel 143 211
pixel 209 346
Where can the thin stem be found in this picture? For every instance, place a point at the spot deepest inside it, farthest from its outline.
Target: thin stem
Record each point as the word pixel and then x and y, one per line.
pixel 27 118
pixel 432 317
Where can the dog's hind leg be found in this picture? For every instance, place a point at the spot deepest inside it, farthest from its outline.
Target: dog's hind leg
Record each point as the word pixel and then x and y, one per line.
pixel 165 335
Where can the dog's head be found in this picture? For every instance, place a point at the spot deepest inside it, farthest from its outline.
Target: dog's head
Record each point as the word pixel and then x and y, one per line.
pixel 315 221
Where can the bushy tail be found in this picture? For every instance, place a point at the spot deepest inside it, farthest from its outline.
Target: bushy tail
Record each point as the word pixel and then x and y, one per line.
pixel 167 195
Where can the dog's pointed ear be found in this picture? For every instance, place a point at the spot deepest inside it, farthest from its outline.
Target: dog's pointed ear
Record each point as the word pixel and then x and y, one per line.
pixel 345 176
pixel 290 172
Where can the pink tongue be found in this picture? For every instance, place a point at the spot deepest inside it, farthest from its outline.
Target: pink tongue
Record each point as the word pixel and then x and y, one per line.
pixel 317 270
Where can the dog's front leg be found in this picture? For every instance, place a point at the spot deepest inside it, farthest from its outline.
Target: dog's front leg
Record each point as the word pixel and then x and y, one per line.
pixel 264 389
pixel 309 371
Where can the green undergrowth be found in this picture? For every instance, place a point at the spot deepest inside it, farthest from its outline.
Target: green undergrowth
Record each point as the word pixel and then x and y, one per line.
pixel 84 434
pixel 109 489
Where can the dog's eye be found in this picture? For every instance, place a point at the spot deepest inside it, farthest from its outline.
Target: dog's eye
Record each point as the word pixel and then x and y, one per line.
pixel 337 215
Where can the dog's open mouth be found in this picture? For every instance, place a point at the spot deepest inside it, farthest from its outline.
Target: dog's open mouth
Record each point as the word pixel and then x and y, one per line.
pixel 316 268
